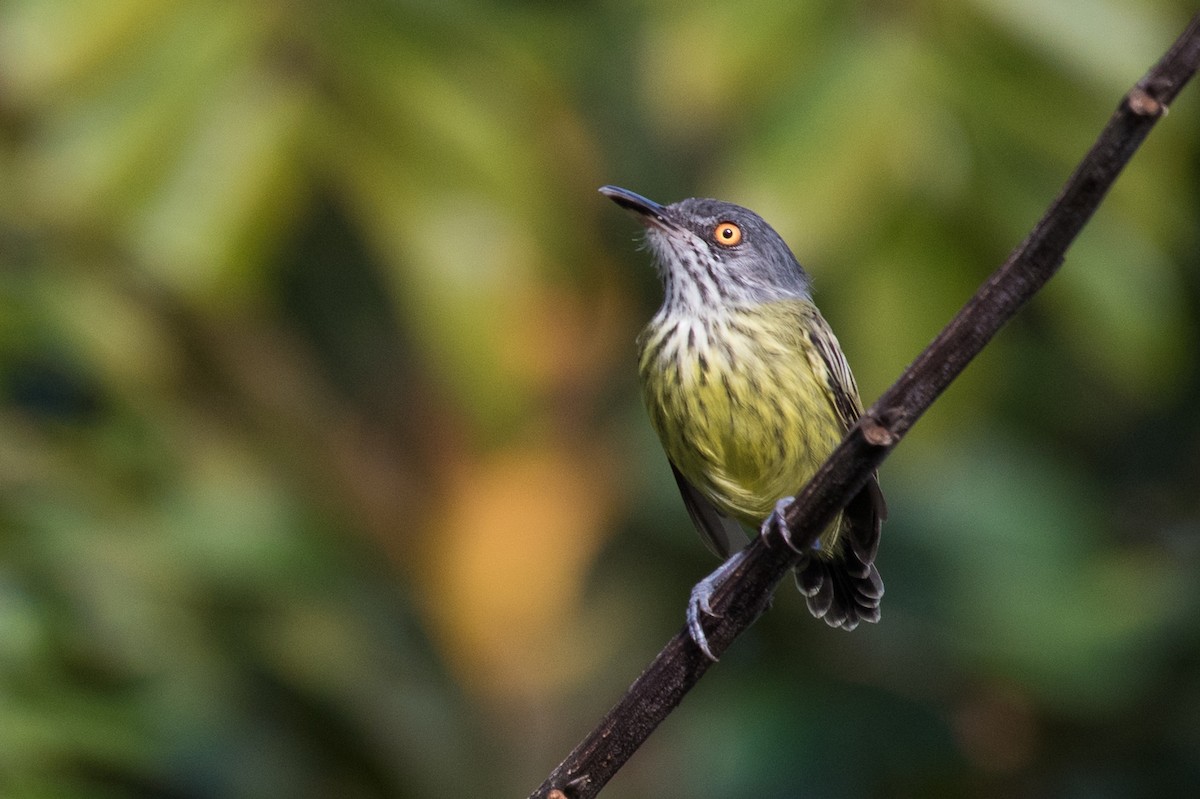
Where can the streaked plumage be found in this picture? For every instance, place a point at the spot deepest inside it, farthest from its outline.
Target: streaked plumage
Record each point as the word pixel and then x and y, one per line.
pixel 738 397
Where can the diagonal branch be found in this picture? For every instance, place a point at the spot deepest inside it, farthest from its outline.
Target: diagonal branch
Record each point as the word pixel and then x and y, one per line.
pixel 742 598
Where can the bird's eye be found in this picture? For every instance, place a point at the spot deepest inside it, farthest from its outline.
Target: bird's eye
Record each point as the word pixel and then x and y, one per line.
pixel 727 234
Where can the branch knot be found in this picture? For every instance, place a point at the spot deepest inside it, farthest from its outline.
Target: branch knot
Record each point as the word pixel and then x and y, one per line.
pixel 877 427
pixel 1144 105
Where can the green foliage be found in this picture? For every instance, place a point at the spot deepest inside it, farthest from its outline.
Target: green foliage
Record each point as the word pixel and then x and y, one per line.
pixel 322 469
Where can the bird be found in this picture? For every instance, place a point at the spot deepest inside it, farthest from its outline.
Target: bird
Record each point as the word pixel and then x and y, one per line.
pixel 749 392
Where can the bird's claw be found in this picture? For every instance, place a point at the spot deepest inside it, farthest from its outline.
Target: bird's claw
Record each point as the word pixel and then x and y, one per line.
pixel 700 602
pixel 775 524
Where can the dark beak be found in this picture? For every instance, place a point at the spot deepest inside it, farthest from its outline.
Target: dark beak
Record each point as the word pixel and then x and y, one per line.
pixel 650 212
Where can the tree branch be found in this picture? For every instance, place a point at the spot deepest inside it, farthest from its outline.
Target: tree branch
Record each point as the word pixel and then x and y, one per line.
pixel 678 667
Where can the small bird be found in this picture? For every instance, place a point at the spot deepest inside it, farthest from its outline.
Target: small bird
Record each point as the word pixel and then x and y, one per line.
pixel 749 392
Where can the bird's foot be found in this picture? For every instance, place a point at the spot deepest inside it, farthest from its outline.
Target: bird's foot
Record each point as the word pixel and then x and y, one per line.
pixel 700 602
pixel 775 526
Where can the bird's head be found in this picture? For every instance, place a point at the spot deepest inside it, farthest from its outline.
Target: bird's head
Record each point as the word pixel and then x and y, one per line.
pixel 723 251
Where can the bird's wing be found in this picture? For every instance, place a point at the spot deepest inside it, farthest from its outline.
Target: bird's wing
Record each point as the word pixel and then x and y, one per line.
pixel 868 509
pixel 841 379
pixel 723 535
pixel 845 588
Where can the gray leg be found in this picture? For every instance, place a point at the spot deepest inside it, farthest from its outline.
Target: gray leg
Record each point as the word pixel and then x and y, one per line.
pixel 775 524
pixel 701 600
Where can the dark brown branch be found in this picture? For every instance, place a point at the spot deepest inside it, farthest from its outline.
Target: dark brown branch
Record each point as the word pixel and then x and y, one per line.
pixel 680 664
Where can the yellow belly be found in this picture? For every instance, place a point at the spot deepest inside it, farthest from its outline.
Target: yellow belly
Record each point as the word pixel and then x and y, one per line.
pixel 741 403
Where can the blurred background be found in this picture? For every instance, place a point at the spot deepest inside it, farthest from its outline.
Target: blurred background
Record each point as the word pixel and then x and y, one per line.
pixel 323 468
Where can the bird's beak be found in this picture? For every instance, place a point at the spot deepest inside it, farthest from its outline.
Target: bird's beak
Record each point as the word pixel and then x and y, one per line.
pixel 648 211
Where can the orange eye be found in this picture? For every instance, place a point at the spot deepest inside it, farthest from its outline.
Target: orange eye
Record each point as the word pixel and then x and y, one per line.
pixel 727 234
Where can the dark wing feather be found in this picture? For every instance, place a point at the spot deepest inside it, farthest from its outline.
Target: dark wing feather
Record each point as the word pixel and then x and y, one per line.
pixel 848 406
pixel 845 390
pixel 722 535
pixel 846 589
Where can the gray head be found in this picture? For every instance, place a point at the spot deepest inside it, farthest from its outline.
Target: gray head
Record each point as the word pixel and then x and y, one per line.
pixel 711 252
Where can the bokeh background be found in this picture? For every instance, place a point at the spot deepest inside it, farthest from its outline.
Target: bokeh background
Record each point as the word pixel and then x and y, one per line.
pixel 323 470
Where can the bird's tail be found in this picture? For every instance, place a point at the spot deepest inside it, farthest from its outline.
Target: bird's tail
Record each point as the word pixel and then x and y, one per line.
pixel 844 587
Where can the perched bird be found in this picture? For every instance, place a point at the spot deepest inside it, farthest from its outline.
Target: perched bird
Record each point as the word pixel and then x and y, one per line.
pixel 749 392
